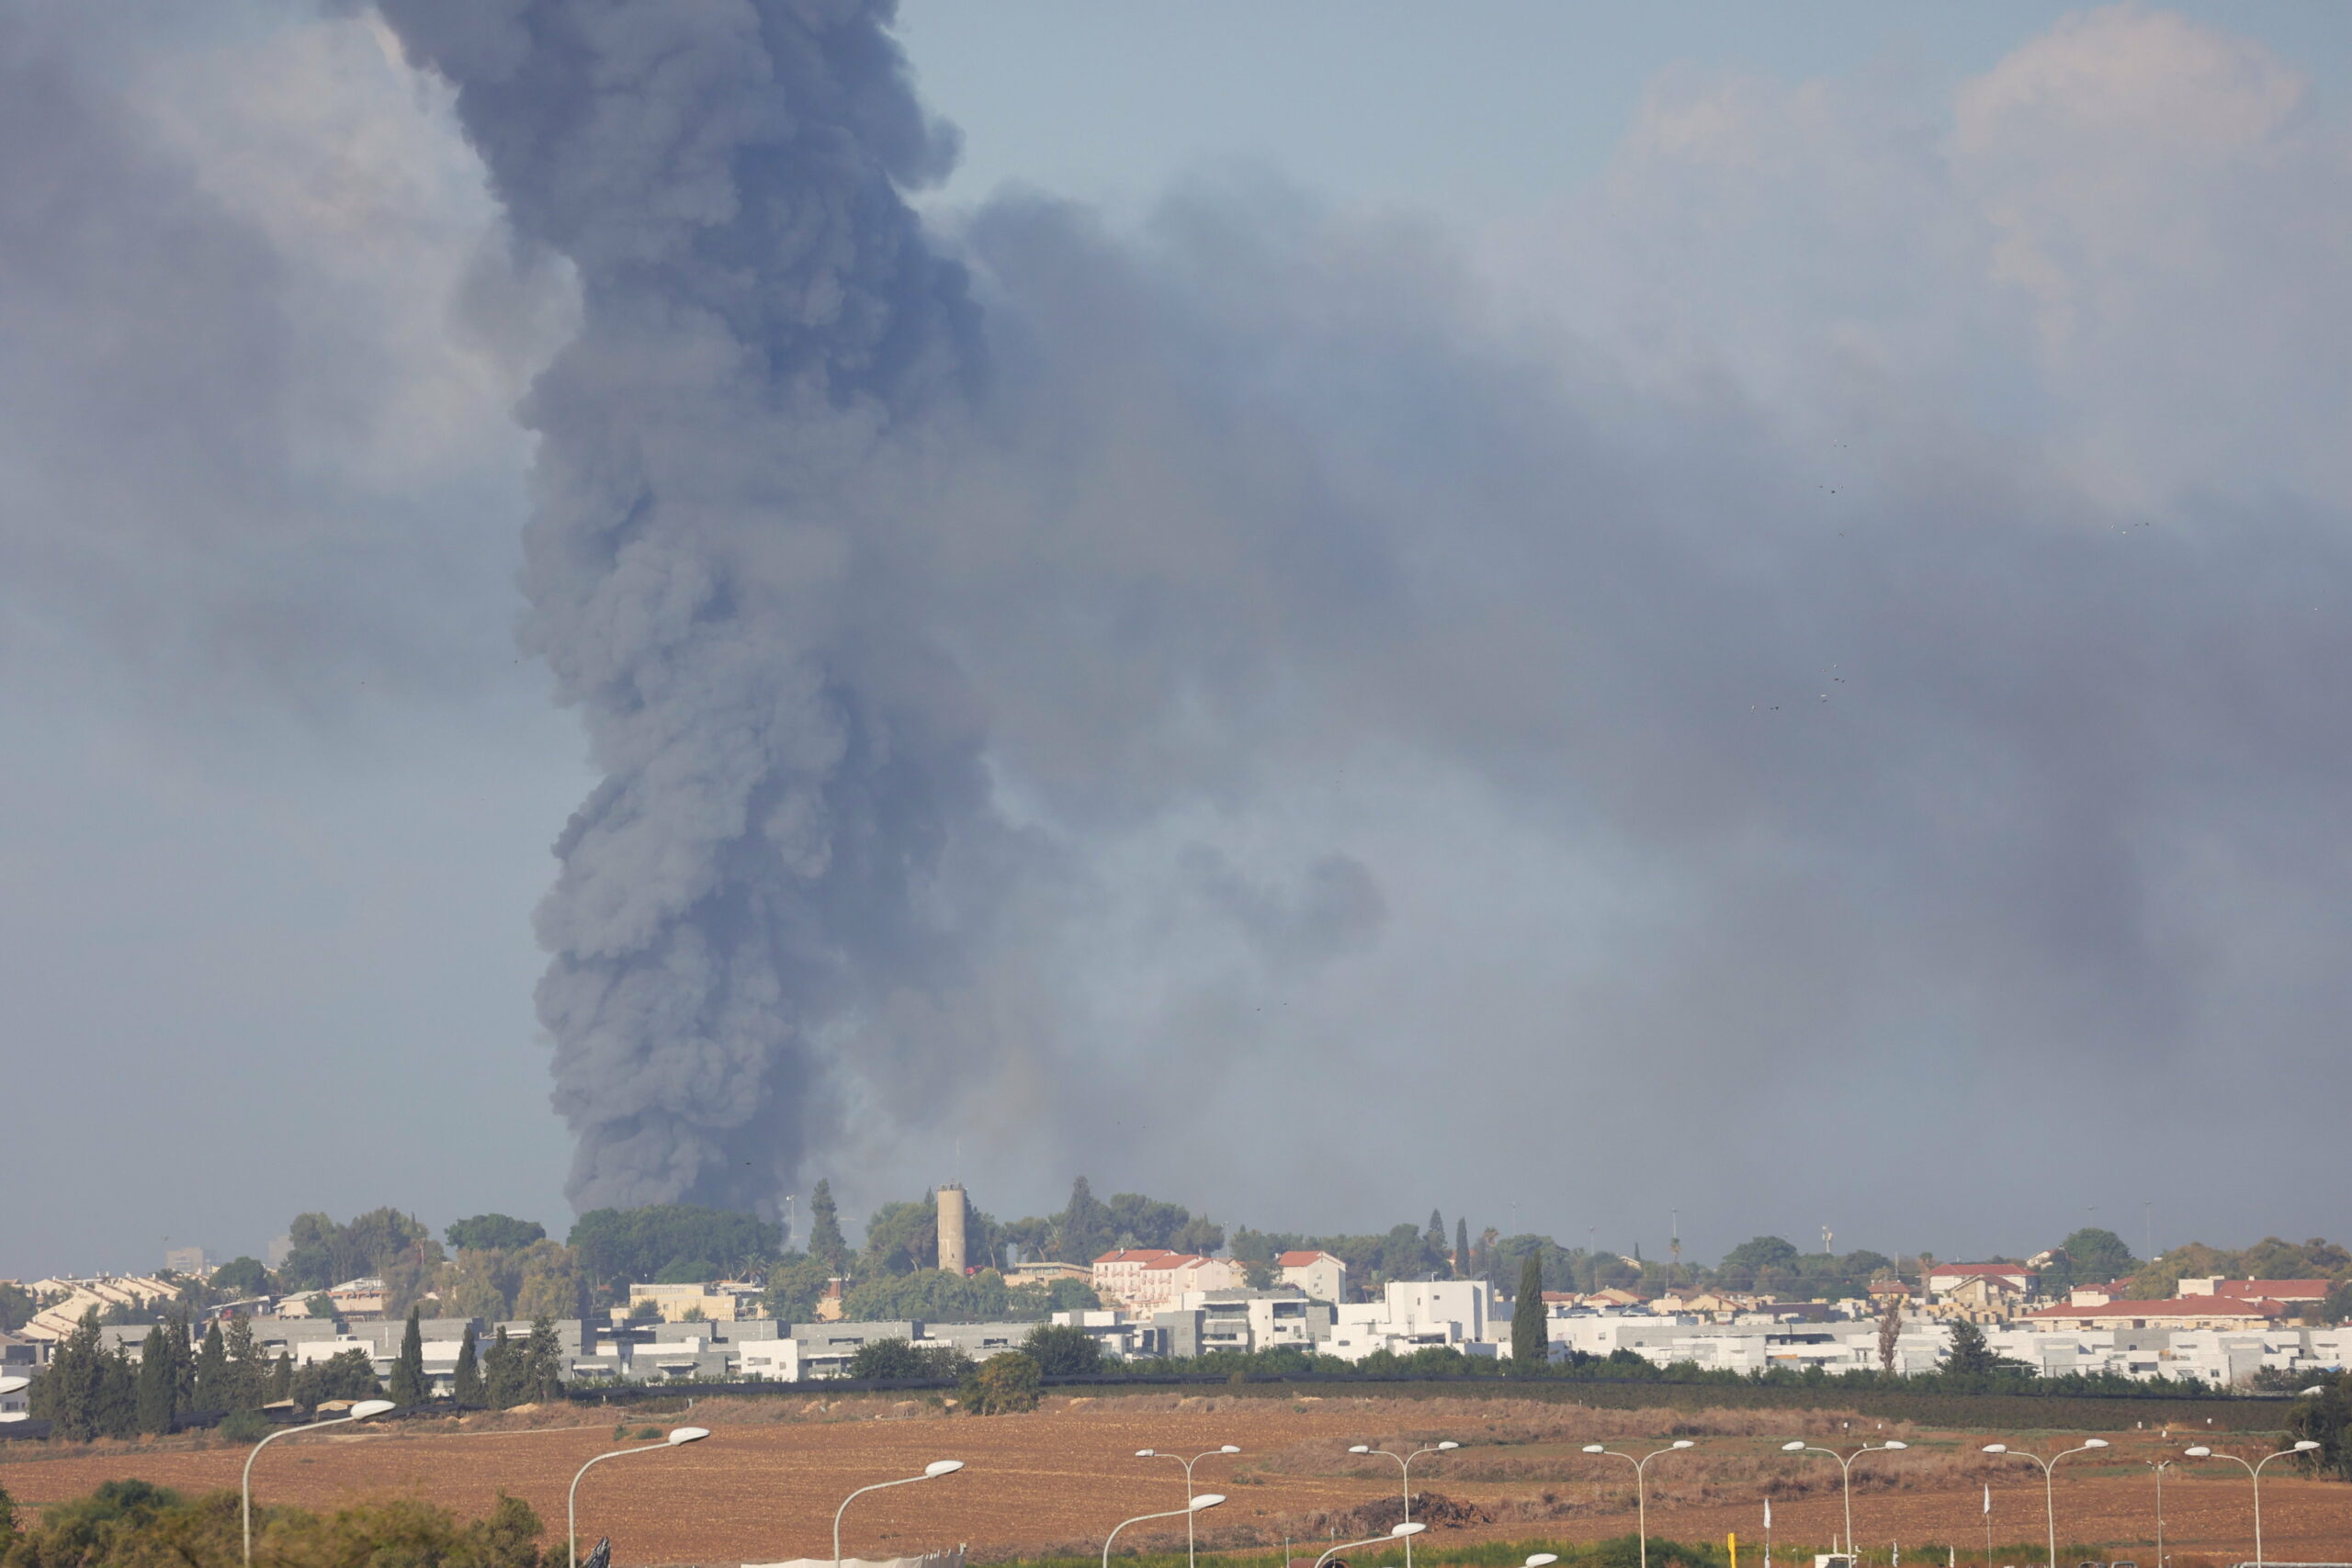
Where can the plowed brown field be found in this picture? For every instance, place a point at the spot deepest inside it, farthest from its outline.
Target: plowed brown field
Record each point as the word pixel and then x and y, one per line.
pixel 765 1486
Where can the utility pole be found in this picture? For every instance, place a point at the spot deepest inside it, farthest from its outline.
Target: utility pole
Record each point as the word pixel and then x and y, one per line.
pixel 1674 1233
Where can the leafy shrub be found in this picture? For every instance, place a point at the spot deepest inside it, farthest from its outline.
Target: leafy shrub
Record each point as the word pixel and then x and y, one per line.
pixel 245 1427
pixel 1002 1384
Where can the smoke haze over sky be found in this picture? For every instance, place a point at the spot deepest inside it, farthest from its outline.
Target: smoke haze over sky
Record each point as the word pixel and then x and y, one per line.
pixel 1556 624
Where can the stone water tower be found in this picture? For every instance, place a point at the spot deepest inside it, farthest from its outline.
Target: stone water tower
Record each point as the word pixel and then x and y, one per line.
pixel 951 1227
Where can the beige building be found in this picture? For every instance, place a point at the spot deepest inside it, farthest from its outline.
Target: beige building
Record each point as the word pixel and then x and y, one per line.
pixel 71 1299
pixel 1322 1275
pixel 729 1300
pixel 1149 1279
pixel 1046 1273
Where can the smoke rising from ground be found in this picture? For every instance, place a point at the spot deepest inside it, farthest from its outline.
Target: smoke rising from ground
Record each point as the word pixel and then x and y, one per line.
pixel 788 757
pixel 1851 750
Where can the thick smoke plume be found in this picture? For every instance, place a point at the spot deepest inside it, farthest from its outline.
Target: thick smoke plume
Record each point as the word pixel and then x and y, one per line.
pixel 784 763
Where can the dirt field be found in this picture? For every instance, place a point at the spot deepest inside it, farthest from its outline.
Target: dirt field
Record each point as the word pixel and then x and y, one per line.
pixel 765 1486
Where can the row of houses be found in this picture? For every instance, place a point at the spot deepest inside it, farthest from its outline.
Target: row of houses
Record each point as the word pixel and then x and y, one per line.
pixel 1147 1279
pixel 2001 1292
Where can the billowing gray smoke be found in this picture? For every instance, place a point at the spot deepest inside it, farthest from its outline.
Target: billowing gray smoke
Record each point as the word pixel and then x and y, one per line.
pixel 784 767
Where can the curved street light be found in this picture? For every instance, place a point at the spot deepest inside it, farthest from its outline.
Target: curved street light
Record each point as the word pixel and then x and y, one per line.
pixel 678 1437
pixel 1405 1462
pixel 1641 1494
pixel 1846 1466
pixel 1404 1532
pixel 1206 1500
pixel 2049 1481
pixel 930 1471
pixel 1190 1557
pixel 362 1411
pixel 2254 1470
pixel 2159 1466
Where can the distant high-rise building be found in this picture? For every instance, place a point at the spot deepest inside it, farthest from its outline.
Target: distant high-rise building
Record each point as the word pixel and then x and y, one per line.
pixel 189 1260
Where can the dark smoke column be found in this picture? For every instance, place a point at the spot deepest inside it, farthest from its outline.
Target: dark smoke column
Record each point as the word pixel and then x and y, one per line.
pixel 785 758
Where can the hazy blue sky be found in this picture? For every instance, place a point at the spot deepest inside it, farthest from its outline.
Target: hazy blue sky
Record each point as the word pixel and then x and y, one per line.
pixel 1427 448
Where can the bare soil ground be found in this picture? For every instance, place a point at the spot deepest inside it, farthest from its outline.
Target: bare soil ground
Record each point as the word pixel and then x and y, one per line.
pixel 765 1486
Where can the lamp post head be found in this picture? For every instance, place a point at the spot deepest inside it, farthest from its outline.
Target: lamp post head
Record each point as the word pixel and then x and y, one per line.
pixel 1684 1443
pixel 1415 1527
pixel 1206 1500
pixel 2094 1442
pixel 1542 1560
pixel 1797 1446
pixel 681 1435
pixel 1893 1445
pixel 940 1467
pixel 2199 1451
pixel 13 1384
pixel 1228 1449
pixel 1146 1453
pixel 2313 1392
pixel 2305 1446
pixel 1449 1443
pixel 367 1407
pixel 1997 1448
pixel 1360 1448
pixel 1594 1448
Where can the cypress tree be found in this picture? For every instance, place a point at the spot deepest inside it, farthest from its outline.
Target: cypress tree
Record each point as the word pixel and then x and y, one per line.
pixel 1529 1342
pixel 248 1370
pixel 543 1360
pixel 71 1393
pixel 158 1382
pixel 826 1242
pixel 408 1387
pixel 1434 1237
pixel 183 1347
pixel 281 1378
pixel 213 1389
pixel 465 1387
pixel 1461 1247
pixel 503 1371
pixel 117 1412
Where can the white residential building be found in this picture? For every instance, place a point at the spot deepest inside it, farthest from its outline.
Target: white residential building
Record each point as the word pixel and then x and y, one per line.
pixel 1413 1314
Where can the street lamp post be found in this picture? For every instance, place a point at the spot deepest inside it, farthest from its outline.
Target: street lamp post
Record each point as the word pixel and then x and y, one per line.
pixel 2255 1470
pixel 1190 1557
pixel 2160 1466
pixel 1404 1532
pixel 1206 1500
pixel 678 1437
pixel 359 1412
pixel 2049 1481
pixel 1846 1467
pixel 1641 1493
pixel 1405 1462
pixel 930 1471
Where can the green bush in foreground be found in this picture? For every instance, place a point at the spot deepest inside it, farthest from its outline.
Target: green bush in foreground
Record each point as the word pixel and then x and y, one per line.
pixel 135 1524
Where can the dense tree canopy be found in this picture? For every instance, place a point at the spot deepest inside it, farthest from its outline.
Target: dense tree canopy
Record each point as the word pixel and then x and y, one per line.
pixel 617 1247
pixel 324 1253
pixel 502 1233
